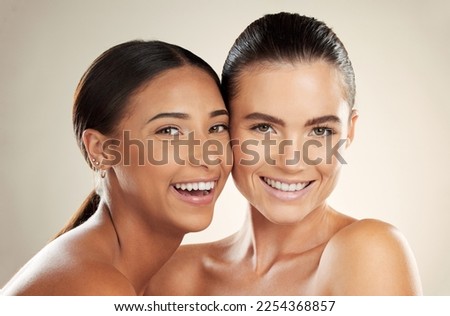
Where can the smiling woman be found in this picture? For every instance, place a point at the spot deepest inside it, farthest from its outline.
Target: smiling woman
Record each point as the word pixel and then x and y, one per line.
pixel 290 89
pixel 314 113
pixel 135 94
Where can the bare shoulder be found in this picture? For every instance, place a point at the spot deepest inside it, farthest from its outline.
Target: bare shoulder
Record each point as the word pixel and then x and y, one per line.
pixel 369 257
pixel 85 279
pixel 95 279
pixel 60 270
pixel 182 274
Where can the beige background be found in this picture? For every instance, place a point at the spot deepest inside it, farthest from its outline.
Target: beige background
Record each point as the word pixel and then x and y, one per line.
pixel 398 166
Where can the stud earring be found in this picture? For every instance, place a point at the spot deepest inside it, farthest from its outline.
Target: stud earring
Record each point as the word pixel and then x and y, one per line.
pixel 95 162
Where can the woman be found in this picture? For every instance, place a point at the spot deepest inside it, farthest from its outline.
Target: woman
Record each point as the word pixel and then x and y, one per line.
pixel 133 108
pixel 289 86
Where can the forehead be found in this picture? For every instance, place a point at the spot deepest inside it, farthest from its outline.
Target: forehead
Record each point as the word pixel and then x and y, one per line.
pixel 179 89
pixel 178 83
pixel 291 90
pixel 186 89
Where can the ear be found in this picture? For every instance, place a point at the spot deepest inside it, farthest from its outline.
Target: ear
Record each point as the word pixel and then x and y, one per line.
pixel 351 126
pixel 93 142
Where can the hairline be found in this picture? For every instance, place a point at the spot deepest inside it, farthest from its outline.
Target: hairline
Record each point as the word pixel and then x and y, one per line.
pixel 276 63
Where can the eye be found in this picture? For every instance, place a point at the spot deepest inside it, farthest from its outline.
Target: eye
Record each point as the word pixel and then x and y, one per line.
pixel 322 131
pixel 263 128
pixel 219 128
pixel 169 130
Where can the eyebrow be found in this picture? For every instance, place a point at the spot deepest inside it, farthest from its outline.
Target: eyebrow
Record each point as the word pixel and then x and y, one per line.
pixel 185 116
pixel 177 115
pixel 218 113
pixel 323 119
pixel 276 120
pixel 265 117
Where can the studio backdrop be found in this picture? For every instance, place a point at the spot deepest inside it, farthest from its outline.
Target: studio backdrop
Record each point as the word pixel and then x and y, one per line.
pixel 397 168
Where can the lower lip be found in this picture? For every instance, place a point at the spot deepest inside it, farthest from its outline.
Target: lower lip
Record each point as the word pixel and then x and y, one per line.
pixel 195 200
pixel 286 195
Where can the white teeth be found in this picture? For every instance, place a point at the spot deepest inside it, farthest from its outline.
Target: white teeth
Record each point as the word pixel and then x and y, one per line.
pixel 286 187
pixel 202 186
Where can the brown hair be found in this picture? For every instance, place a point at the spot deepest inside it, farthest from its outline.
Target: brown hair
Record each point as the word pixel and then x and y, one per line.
pixel 286 37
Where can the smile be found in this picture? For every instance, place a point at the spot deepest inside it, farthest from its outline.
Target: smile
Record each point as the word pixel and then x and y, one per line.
pixel 198 192
pixel 286 187
pixel 195 188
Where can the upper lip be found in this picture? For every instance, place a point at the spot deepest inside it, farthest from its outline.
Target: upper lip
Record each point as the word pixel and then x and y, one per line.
pixel 285 180
pixel 196 180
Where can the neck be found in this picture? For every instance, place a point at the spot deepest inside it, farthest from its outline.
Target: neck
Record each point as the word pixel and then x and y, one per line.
pixel 139 249
pixel 264 242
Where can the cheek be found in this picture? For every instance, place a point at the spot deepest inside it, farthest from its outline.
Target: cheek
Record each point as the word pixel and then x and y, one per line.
pixel 324 151
pixel 329 173
pixel 228 159
pixel 159 153
pixel 137 152
pixel 143 162
pixel 218 151
pixel 239 170
pixel 314 152
pixel 242 178
pixel 329 170
pixel 248 154
pixel 248 159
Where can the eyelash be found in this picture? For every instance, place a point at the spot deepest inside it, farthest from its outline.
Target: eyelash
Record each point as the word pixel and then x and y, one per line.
pixel 224 128
pixel 257 128
pixel 329 131
pixel 165 130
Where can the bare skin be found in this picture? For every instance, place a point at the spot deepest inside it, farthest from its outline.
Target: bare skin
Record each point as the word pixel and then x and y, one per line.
pixel 142 217
pixel 292 242
pixel 349 257
pixel 90 260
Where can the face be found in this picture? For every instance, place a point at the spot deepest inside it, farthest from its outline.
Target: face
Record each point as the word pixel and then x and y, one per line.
pixel 173 166
pixel 292 125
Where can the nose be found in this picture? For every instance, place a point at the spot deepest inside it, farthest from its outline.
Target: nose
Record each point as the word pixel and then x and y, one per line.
pixel 289 155
pixel 197 156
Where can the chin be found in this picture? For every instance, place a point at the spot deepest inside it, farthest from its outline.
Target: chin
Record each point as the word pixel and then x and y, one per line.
pixel 284 215
pixel 197 224
pixel 285 220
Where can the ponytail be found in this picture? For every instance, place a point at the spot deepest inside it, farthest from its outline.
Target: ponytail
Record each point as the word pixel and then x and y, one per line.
pixel 86 210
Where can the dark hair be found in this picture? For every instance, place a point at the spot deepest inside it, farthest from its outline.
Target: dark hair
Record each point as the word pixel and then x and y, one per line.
pixel 285 37
pixel 104 90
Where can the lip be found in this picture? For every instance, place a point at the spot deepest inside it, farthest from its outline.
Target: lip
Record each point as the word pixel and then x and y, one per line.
pixel 215 179
pixel 196 200
pixel 286 195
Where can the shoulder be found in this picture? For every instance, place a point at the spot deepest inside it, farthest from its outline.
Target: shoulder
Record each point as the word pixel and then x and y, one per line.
pixel 94 279
pixel 75 279
pixel 369 257
pixel 182 273
pixel 366 230
pixel 62 270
